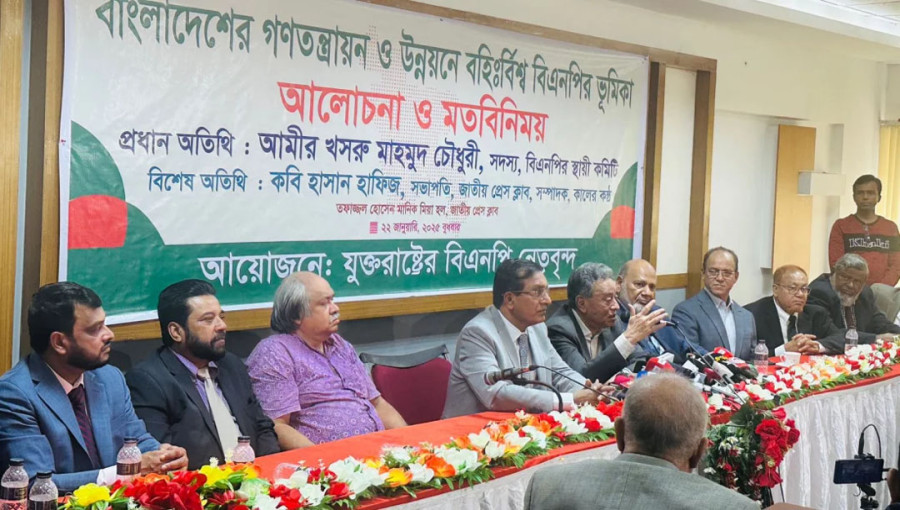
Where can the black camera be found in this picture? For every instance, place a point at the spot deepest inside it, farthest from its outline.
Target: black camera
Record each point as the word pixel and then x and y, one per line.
pixel 860 470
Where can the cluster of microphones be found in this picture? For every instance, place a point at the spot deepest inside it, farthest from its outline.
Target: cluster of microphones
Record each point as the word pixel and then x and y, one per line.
pixel 715 372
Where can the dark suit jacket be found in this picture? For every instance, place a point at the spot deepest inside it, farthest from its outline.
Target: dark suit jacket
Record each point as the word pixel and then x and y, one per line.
pixel 813 320
pixel 870 322
pixel 569 341
pixel 166 398
pixel 703 325
pixel 37 422
pixel 669 337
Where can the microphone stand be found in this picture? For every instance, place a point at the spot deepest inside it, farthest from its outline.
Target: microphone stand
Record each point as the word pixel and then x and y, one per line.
pixel 525 382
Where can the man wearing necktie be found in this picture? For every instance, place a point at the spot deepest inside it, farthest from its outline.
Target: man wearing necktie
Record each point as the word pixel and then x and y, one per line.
pixel 511 334
pixel 785 322
pixel 193 392
pixel 587 331
pixel 62 409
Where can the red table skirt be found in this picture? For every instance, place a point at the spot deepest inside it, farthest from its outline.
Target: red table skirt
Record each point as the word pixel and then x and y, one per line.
pixel 439 432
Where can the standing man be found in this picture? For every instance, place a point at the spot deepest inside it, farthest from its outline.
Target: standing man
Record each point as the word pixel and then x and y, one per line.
pixel 849 301
pixel 637 281
pixel 587 332
pixel 308 379
pixel 787 323
pixel 511 334
pixel 61 408
pixel 864 233
pixel 711 318
pixel 193 392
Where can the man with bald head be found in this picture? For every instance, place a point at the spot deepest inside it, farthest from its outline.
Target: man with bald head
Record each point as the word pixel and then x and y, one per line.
pixel 308 379
pixel 661 435
pixel 786 322
pixel 637 284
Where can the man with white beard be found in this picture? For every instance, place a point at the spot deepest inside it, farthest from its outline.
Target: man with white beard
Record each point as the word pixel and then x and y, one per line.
pixel 850 301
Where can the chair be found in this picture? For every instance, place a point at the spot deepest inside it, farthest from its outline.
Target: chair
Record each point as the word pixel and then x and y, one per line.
pixel 415 383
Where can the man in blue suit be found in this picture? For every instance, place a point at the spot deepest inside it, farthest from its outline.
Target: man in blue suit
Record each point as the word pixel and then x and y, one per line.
pixel 61 408
pixel 711 318
pixel 637 284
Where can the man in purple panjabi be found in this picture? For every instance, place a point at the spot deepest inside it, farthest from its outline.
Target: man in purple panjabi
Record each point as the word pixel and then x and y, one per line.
pixel 307 378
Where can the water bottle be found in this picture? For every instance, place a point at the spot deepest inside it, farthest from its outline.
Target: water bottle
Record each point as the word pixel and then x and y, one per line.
pixel 243 452
pixel 128 461
pixel 760 355
pixel 851 339
pixel 14 486
pixel 43 493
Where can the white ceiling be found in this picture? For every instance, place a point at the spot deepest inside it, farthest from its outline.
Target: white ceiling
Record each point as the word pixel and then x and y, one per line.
pixel 868 29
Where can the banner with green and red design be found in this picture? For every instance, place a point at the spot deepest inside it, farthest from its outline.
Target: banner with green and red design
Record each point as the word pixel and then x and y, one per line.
pixel 392 152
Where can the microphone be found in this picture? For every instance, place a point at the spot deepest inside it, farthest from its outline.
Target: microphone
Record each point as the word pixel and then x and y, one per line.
pixel 506 374
pixel 564 376
pixel 719 368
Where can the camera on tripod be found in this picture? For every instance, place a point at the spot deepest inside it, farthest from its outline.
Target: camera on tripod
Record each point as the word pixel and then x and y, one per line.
pixel 863 470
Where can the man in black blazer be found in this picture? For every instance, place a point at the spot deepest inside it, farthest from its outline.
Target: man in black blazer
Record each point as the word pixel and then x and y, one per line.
pixel 587 332
pixel 849 301
pixel 786 315
pixel 192 392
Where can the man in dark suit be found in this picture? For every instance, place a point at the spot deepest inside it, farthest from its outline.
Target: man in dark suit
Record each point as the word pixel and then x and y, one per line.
pixel 849 301
pixel 637 284
pixel 587 332
pixel 662 437
pixel 192 392
pixel 61 408
pixel 786 315
pixel 711 318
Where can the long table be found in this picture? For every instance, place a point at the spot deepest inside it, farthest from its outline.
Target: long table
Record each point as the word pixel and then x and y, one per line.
pixel 829 423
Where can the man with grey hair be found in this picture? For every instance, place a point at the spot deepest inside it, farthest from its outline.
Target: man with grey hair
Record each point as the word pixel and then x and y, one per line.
pixel 587 331
pixel 849 301
pixel 661 435
pixel 308 379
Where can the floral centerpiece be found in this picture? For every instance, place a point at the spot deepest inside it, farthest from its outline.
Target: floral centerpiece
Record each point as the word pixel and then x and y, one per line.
pixel 744 454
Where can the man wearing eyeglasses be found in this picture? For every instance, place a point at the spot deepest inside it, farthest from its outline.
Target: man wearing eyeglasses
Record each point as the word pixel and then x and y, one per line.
pixel 787 323
pixel 588 333
pixel 849 301
pixel 511 334
pixel 711 318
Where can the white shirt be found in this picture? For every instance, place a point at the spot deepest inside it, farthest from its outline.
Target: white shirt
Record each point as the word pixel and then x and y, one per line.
pixel 515 333
pixel 897 320
pixel 727 316
pixel 783 318
pixel 622 344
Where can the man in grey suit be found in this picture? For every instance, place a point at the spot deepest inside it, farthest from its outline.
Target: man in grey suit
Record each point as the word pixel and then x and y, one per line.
pixel 587 331
pixel 887 299
pixel 511 334
pixel 711 318
pixel 661 435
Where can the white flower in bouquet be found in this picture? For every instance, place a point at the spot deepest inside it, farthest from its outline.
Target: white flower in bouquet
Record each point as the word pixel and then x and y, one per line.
pixel 420 473
pixel 355 474
pixel 313 493
pixel 480 440
pixel 398 453
pixel 494 450
pixel 536 435
pixel 461 460
pixel 515 440
pixel 266 502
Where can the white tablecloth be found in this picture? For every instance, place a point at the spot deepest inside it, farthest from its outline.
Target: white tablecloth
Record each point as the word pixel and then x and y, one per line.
pixel 829 428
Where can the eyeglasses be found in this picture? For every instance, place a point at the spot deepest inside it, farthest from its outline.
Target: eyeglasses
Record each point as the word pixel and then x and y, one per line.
pixel 536 293
pixel 794 290
pixel 849 279
pixel 714 273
